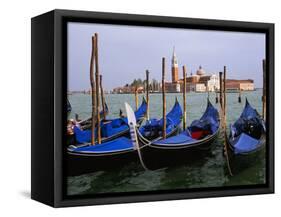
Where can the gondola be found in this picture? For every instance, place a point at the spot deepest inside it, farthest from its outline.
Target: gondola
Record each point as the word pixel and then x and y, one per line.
pixel 110 129
pixel 152 129
pixel 184 147
pixel 108 155
pixel 247 138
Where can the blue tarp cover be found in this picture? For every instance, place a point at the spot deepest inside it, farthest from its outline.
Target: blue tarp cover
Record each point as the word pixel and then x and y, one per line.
pixel 141 110
pixel 247 130
pixel 110 127
pixel 173 119
pixel 107 130
pixel 208 121
pixel 245 143
pixel 181 138
pixel 118 144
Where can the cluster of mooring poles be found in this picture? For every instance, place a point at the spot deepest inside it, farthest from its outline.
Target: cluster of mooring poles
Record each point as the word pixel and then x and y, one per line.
pixel 96 86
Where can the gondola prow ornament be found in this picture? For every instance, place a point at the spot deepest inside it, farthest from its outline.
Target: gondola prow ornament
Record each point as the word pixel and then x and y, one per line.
pixel 132 124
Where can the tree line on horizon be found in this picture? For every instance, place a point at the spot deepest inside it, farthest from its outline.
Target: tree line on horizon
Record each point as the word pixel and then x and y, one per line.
pixel 154 84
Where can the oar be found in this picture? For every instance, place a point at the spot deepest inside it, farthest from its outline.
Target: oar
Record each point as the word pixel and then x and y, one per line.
pixel 132 124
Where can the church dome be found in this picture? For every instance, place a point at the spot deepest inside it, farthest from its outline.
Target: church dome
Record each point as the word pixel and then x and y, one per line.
pixel 200 71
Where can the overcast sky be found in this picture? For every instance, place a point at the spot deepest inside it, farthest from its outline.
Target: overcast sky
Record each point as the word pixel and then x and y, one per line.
pixel 125 52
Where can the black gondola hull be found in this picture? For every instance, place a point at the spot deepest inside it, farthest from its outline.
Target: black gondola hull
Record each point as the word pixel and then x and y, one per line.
pixel 78 164
pixel 239 162
pixel 156 157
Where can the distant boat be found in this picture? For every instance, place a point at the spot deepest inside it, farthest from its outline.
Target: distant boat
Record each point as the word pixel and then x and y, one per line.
pixel 247 138
pixel 183 147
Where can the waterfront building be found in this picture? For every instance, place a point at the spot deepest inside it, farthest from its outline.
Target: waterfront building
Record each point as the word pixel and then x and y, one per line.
pixel 213 83
pixel 198 82
pixel 236 85
pixel 193 79
pixel 198 87
pixel 175 85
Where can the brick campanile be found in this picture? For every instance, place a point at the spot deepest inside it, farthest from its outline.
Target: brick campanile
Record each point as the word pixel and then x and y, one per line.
pixel 175 68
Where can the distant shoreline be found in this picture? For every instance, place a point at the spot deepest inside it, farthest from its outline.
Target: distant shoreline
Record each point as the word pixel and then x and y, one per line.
pixel 198 92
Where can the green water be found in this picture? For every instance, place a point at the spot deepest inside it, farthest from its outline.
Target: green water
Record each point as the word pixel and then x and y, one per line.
pixel 209 171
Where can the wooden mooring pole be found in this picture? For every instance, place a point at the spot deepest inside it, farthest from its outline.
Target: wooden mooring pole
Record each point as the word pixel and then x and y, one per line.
pixel 92 81
pixel 147 94
pixel 217 98
pixel 136 97
pixel 221 90
pixel 239 97
pixel 102 99
pixel 163 98
pixel 97 89
pixel 224 122
pixel 184 96
pixel 224 95
pixel 264 90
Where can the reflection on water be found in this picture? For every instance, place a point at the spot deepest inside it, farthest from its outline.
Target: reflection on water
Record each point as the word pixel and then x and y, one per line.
pixel 208 171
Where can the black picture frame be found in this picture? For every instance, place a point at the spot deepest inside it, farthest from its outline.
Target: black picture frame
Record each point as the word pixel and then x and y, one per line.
pixel 48 69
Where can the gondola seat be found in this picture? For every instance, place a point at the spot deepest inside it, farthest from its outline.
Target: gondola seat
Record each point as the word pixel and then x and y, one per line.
pixel 200 134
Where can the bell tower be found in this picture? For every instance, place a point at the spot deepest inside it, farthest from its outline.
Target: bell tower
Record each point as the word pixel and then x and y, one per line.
pixel 175 68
